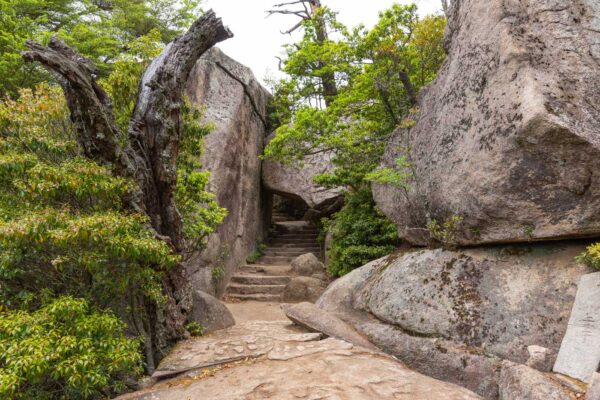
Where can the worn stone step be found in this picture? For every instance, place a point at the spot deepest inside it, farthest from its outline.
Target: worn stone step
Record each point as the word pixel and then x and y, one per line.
pixel 301 234
pixel 254 297
pixel 255 289
pixel 294 247
pixel 249 279
pixel 275 260
pixel 276 241
pixel 271 270
pixel 288 253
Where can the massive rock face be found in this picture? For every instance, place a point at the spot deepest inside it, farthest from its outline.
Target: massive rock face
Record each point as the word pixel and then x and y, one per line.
pixel 508 135
pixel 298 183
pixel 455 315
pixel 236 104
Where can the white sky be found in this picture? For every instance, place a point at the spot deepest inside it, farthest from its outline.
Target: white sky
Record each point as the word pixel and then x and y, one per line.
pixel 258 39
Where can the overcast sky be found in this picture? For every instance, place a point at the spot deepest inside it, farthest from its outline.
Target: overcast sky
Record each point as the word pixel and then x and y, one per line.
pixel 257 39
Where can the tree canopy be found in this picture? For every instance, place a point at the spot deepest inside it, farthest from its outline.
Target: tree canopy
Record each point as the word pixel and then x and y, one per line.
pixel 101 30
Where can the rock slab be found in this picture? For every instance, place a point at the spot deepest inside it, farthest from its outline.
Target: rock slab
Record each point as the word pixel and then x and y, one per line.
pixel 579 355
pixel 276 361
pixel 507 136
pixel 315 319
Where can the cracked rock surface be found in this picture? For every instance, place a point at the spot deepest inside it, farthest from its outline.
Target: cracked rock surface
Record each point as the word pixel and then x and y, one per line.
pixel 279 360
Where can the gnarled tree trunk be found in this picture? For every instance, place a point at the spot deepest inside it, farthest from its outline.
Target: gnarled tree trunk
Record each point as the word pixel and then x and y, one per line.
pixel 150 156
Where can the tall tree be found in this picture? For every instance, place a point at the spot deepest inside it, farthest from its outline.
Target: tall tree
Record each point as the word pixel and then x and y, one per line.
pixel 149 156
pixel 314 19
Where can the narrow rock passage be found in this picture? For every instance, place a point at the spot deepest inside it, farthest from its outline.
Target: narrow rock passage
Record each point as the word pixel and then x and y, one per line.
pixel 266 356
pixel 266 280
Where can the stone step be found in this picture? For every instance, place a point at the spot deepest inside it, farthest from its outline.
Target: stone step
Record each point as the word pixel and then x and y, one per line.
pixel 293 247
pixel 293 243
pixel 248 279
pixel 288 253
pixel 277 240
pixel 271 270
pixel 296 236
pixel 255 289
pixel 275 260
pixel 254 297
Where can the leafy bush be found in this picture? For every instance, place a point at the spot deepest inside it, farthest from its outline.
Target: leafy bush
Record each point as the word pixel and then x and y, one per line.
pixel 360 234
pixel 445 233
pixel 64 350
pixel 591 256
pixel 257 254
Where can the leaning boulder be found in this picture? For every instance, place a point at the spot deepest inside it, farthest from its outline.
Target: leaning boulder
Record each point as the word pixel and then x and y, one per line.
pixel 307 265
pixel 303 288
pixel 298 183
pixel 315 319
pixel 507 137
pixel 235 103
pixel 456 315
pixel 210 313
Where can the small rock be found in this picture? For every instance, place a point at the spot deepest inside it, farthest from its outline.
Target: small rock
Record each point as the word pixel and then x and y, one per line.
pixel 593 390
pixel 303 288
pixel 307 265
pixel 320 276
pixel 540 358
pixel 519 382
pixel 210 313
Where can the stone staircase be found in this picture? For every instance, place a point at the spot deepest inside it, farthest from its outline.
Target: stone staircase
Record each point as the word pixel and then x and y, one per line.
pixel 265 280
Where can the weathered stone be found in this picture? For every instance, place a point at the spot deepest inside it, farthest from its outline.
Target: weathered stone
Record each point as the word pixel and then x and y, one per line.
pixel 303 288
pixel 519 382
pixel 298 182
pixel 309 369
pixel 508 133
pixel 210 313
pixel 236 104
pixel 593 390
pixel 579 355
pixel 455 315
pixel 307 265
pixel 315 319
pixel 251 339
pixel 540 358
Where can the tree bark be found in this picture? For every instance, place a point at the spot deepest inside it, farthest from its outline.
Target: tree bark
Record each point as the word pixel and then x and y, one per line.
pixel 409 88
pixel 150 156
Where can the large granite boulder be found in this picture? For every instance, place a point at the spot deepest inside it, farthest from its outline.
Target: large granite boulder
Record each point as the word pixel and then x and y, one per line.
pixel 508 133
pixel 298 183
pixel 236 104
pixel 455 315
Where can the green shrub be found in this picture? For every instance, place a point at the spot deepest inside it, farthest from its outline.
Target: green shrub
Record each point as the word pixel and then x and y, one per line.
pixel 257 254
pixel 445 233
pixel 360 234
pixel 64 350
pixel 591 256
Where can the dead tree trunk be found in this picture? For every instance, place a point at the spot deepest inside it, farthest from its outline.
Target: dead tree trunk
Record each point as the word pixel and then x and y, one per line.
pixel 150 157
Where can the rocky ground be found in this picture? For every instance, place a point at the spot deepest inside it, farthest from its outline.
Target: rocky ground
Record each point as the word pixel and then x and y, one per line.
pixel 276 359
